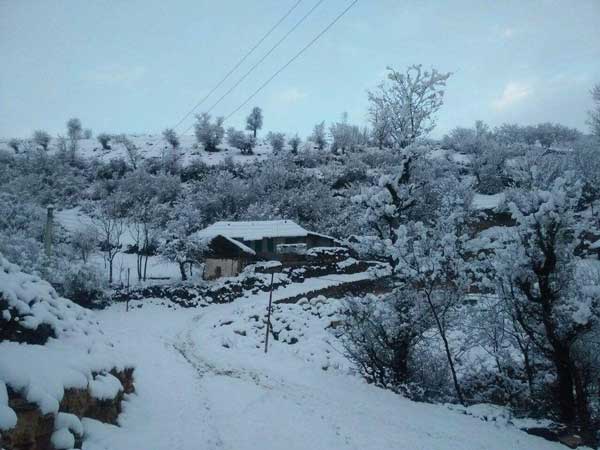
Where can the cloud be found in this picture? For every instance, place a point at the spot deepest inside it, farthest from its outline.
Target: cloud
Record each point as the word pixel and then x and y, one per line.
pixel 291 95
pixel 513 93
pixel 115 74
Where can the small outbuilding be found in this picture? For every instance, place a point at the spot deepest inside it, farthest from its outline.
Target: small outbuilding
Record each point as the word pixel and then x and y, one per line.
pixel 226 257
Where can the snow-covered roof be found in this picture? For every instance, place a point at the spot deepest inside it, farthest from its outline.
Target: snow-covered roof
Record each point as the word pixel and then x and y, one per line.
pixel 241 246
pixel 254 230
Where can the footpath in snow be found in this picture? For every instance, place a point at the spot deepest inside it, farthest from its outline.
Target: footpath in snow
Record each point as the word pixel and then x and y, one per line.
pixel 204 382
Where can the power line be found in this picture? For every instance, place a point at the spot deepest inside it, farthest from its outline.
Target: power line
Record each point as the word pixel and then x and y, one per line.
pixel 271 50
pixel 306 47
pixel 239 63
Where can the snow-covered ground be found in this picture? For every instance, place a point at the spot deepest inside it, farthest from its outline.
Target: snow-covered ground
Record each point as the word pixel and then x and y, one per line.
pixel 204 381
pixel 154 146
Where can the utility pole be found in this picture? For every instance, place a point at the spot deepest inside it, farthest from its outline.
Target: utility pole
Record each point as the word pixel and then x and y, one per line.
pixel 127 301
pixel 269 313
pixel 48 231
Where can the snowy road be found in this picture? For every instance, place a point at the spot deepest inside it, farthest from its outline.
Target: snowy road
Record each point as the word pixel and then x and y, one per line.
pixel 199 389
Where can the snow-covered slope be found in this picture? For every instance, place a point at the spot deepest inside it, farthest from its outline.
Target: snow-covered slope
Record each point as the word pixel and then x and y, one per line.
pixel 204 381
pixel 154 146
pixel 49 344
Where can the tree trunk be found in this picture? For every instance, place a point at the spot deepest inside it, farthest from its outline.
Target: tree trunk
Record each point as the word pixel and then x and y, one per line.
pixel 583 411
pixel 566 398
pixel 447 349
pixel 254 133
pixel 110 270
pixel 182 271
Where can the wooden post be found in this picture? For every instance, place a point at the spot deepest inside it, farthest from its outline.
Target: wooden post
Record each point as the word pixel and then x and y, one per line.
pixel 48 231
pixel 269 313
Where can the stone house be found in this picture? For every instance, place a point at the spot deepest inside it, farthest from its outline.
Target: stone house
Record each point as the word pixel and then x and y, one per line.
pixel 236 244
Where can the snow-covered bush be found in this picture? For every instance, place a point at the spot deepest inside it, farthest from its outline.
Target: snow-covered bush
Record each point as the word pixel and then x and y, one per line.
pixel 84 285
pixel 104 139
pixel 209 134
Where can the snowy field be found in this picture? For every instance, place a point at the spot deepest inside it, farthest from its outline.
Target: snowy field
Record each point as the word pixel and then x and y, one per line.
pixel 203 381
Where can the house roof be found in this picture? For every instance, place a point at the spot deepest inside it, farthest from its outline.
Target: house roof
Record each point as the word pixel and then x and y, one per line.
pixel 254 230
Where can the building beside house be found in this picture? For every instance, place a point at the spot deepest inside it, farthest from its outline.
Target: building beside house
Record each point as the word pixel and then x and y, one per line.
pixel 233 245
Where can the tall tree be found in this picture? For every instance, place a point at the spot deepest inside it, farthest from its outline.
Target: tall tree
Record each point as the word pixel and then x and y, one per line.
pixel 408 102
pixel 254 121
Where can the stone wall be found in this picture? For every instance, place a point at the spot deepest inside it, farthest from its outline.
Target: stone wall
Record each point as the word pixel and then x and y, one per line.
pixel 34 429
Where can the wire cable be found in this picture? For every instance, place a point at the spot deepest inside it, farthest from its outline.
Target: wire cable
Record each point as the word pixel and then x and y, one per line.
pixel 239 63
pixel 291 60
pixel 265 56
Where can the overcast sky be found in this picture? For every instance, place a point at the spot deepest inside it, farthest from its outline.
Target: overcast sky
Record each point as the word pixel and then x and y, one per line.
pixel 137 66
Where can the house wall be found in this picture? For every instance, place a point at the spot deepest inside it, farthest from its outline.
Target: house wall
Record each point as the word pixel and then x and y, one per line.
pixel 222 267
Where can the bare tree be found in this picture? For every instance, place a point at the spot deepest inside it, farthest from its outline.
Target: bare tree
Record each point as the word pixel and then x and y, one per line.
pixel 254 121
pixel 84 241
pixel 110 227
pixel 42 139
pixel 408 102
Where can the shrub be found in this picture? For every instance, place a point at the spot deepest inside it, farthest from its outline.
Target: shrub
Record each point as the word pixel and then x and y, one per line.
pixel 171 137
pixel 85 286
pixel 104 140
pixel 14 144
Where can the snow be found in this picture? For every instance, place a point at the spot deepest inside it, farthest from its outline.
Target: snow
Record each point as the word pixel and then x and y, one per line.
pixel 105 387
pixel 483 201
pixel 63 439
pixel 254 230
pixel 241 246
pixel 68 421
pixel 194 392
pixel 41 373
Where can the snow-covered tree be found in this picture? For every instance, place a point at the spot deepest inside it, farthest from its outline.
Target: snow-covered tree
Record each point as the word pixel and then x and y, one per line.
pixel 14 144
pixel 41 138
pixel 345 136
pixel 133 152
pixel 294 143
pixel 74 129
pixel 209 134
pixel 104 140
pixel 319 136
pixel 239 139
pixel 594 114
pixel 538 278
pixel 254 121
pixel 170 136
pixel 110 226
pixel 178 243
pixel 409 101
pixel 380 334
pixel 85 241
pixel 277 141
